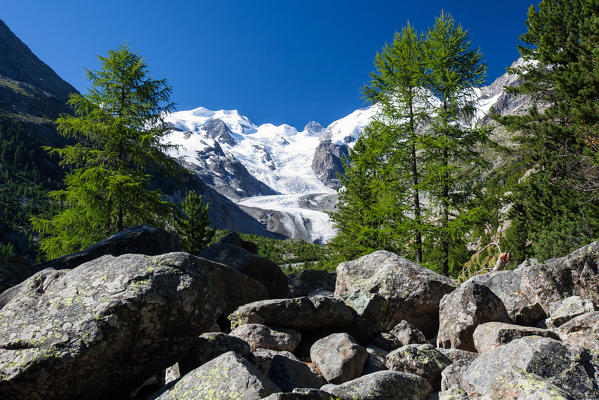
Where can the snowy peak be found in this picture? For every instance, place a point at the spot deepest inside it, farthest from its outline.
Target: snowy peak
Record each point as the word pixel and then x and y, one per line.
pixel 348 129
pixel 313 128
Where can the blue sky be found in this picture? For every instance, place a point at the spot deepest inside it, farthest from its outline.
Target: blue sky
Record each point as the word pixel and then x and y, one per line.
pixel 285 61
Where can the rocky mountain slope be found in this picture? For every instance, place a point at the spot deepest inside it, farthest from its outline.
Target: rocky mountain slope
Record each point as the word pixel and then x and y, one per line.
pixel 32 96
pixel 264 166
pixel 132 317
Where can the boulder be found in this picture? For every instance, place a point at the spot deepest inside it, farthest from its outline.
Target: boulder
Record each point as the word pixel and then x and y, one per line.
pixel 382 385
pixel 140 239
pixel 236 240
pixel 457 354
pixel 338 357
pixel 300 313
pixel 516 384
pixel 387 289
pixel 209 346
pixel 229 376
pixel 259 268
pixel 463 310
pixel 407 333
pixel 566 367
pixel 494 334
pixel 261 336
pixel 262 358
pixel 582 331
pixel 103 328
pixel 376 360
pixel 564 310
pixel 301 394
pixel 310 282
pixel 289 373
pixel 419 359
pixel 455 393
pixel 528 291
pixel 451 377
pixel 386 341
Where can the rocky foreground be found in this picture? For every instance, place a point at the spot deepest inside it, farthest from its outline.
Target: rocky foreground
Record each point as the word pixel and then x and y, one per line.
pixel 134 318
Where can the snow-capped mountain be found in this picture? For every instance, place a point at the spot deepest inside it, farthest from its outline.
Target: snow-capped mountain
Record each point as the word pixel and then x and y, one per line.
pixel 283 177
pixel 269 169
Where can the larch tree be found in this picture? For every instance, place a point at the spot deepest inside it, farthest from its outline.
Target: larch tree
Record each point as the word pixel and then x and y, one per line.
pixel 397 88
pixel 117 127
pixel 452 144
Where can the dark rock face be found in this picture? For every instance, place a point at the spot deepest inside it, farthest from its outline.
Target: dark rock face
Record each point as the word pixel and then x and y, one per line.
pixel 219 131
pixel 141 239
pixel 236 240
pixel 338 357
pixel 289 374
pixel 420 359
pixel 383 385
pixel 387 341
pixel 209 346
pixel 300 313
pixel 386 289
pixel 407 333
pixel 461 311
pixel 301 394
pixel 101 329
pixel 262 358
pixel 494 334
pixel 20 64
pixel 310 282
pixel 225 174
pixel 228 376
pixel 328 162
pixel 568 368
pixel 261 336
pixel 259 268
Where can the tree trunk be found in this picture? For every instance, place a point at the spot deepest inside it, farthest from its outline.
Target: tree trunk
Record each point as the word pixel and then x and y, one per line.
pixel 416 191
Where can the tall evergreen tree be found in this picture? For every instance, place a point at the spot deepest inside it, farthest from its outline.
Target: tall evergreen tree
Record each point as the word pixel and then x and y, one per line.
pixel 452 146
pixel 556 208
pixel 397 88
pixel 367 210
pixel 192 224
pixel 118 127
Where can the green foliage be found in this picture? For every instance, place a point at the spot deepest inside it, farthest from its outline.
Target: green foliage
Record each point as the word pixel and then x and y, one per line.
pixel 283 252
pixel 118 126
pixel 192 224
pixel 26 176
pixel 555 207
pixel 423 143
pixel 453 146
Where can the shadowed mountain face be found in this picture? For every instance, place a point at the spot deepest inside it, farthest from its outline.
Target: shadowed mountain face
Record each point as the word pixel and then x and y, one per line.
pixel 19 64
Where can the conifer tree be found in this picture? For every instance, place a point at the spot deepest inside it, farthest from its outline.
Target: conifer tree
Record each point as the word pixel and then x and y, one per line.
pixel 367 210
pixel 452 145
pixel 117 128
pixel 556 207
pixel 397 88
pixel 192 225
